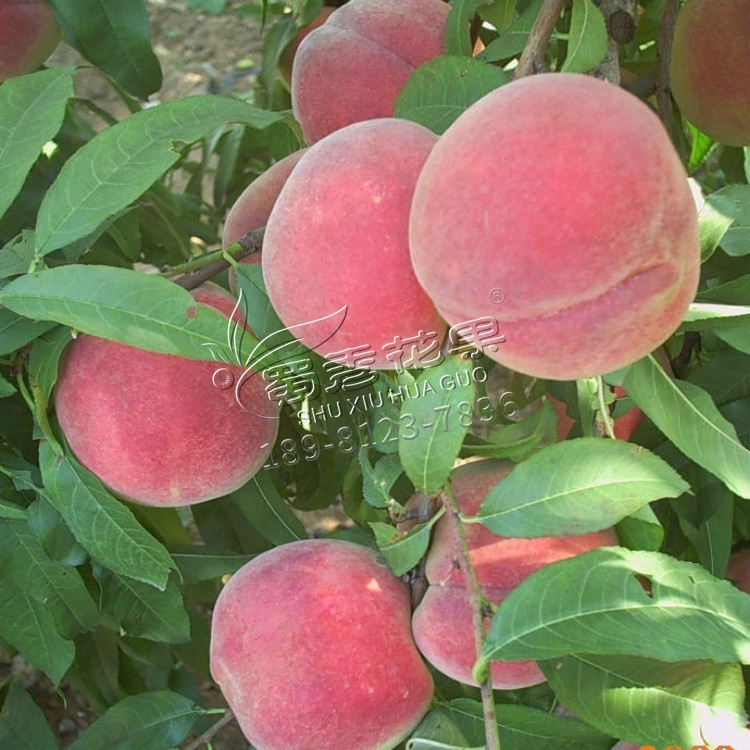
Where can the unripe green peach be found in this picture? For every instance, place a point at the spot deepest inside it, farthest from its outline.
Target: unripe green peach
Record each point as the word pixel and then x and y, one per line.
pixel 579 239
pixel 29 34
pixel 710 69
pixel 311 646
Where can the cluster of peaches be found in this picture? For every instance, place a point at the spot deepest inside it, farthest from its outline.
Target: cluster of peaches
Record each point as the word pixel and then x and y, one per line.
pixel 561 190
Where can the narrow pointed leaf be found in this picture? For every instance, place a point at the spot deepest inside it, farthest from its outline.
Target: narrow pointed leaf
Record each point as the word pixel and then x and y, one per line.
pixel 23 725
pixel 587 43
pixel 121 162
pixel 32 108
pixel 103 525
pixel 432 427
pixel 689 418
pixel 134 308
pixel 683 700
pixel 578 486
pixel 616 601
pixel 150 721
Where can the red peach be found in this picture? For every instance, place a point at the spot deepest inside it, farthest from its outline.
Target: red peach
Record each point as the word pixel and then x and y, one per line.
pixel 254 204
pixel 312 648
pixel 155 428
pixel 353 67
pixel 287 59
pixel 338 237
pixel 29 34
pixel 442 621
pixel 709 68
pixel 591 233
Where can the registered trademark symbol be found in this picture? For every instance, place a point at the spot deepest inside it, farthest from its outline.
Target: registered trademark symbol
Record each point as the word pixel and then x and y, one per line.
pixel 497 296
pixel 223 378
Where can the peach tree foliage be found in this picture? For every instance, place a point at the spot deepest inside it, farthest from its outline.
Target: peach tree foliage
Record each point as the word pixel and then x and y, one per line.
pixel 112 599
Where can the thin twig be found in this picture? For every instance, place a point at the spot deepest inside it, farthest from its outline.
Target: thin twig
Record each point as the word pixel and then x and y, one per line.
pixel 532 57
pixel 214 729
pixel 250 243
pixel 477 605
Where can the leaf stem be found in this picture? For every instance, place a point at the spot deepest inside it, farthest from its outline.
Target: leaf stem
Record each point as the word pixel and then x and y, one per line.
pixel 477 605
pixel 605 417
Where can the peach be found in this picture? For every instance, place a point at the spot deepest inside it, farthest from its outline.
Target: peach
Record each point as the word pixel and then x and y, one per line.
pixel 287 59
pixel 159 429
pixel 353 67
pixel 29 34
pixel 254 204
pixel 589 232
pixel 738 570
pixel 311 646
pixel 709 69
pixel 338 237
pixel 442 621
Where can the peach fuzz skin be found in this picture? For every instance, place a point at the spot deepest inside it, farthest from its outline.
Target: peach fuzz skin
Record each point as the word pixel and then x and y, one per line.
pixel 338 238
pixel 29 34
pixel 353 67
pixel 709 68
pixel 311 645
pixel 254 204
pixel 591 233
pixel 442 621
pixel 154 428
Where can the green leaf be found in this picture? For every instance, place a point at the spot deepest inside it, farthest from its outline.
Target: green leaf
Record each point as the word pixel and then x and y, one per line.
pixel 703 316
pixel 143 611
pixel 714 219
pixel 121 162
pixel 114 35
pixel 150 721
pixel 199 562
pixel 457 27
pixel 28 626
pixel 641 530
pixel 6 388
pixel 687 415
pixel 133 308
pixel 512 41
pixel 683 700
pixel 616 601
pixel 404 550
pixel 378 480
pixel 17 255
pixel 59 587
pixel 104 526
pixel 32 108
pixel 23 725
pixel 576 487
pixel 587 42
pixel 437 92
pixel 432 427
pixel 17 331
pixel 516 440
pixel 269 513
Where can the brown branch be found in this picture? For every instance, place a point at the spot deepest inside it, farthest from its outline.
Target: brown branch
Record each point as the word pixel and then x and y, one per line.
pixel 206 737
pixel 477 605
pixel 250 243
pixel 663 55
pixel 532 57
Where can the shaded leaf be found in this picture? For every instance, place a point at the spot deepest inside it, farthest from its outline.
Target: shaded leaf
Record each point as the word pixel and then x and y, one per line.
pixel 23 725
pixel 32 108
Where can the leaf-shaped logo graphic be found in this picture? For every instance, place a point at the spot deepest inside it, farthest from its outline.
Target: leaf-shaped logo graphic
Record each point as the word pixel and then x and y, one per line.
pixel 307 335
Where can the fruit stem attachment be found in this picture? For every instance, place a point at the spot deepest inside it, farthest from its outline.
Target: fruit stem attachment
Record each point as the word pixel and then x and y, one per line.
pixel 532 57
pixel 605 417
pixel 478 603
pixel 194 272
